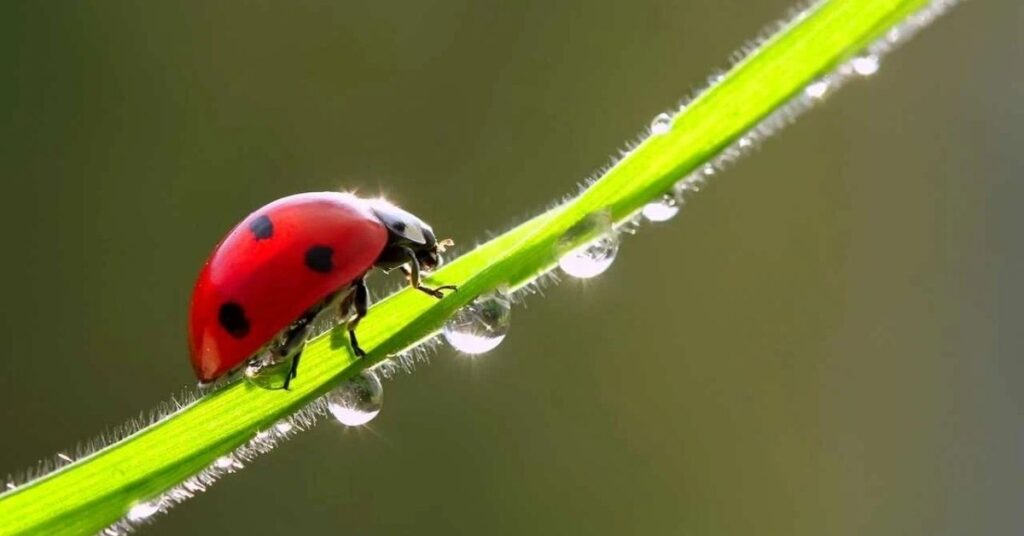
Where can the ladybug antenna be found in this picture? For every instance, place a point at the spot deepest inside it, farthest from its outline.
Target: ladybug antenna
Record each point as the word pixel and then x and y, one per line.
pixel 445 244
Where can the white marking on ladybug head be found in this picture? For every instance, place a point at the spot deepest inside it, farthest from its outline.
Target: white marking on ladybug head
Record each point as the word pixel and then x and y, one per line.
pixel 401 222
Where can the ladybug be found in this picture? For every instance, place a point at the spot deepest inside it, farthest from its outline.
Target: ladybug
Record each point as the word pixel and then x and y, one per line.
pixel 286 262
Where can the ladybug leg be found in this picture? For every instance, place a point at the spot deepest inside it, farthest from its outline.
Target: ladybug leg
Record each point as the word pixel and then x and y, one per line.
pixel 360 301
pixel 294 340
pixel 413 273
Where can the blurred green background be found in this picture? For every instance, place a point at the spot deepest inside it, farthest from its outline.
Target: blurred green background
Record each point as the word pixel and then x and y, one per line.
pixel 826 341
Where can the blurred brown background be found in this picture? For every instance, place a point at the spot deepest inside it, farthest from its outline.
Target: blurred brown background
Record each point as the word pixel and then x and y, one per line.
pixel 827 341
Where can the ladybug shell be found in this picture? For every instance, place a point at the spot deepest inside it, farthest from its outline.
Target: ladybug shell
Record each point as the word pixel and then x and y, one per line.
pixel 279 262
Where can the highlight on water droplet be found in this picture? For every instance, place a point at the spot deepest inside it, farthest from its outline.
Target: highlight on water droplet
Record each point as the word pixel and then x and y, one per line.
pixel 745 142
pixel 358 400
pixel 663 209
pixel 267 372
pixel 480 325
pixel 661 124
pixel 817 89
pixel 865 65
pixel 143 510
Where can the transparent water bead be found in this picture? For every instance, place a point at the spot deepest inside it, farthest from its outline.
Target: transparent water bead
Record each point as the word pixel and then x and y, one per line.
pixel 817 89
pixel 265 372
pixel 600 245
pixel 357 401
pixel 593 258
pixel 661 210
pixel 865 65
pixel 661 124
pixel 143 510
pixel 481 325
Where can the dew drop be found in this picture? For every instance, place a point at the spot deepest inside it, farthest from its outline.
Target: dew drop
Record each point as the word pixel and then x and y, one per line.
pixel 481 325
pixel 745 142
pixel 661 124
pixel 865 65
pixel 591 259
pixel 357 401
pixel 143 510
pixel 600 243
pixel 817 89
pixel 266 372
pixel 663 209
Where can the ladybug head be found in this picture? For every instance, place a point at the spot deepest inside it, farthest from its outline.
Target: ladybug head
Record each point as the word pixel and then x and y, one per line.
pixel 407 231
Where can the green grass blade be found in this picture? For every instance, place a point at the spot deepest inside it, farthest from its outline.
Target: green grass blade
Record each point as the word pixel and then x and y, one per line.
pixel 98 490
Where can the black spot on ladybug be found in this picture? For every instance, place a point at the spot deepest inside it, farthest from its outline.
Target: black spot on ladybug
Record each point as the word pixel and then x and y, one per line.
pixel 318 259
pixel 232 318
pixel 262 228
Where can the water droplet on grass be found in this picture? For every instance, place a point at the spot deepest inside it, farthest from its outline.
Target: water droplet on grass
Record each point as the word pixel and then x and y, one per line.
pixel 481 325
pixel 357 401
pixel 817 89
pixel 600 243
pixel 865 65
pixel 661 124
pixel 663 209
pixel 591 259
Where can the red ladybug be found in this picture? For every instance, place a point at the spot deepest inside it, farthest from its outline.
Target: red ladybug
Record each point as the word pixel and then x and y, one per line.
pixel 274 272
